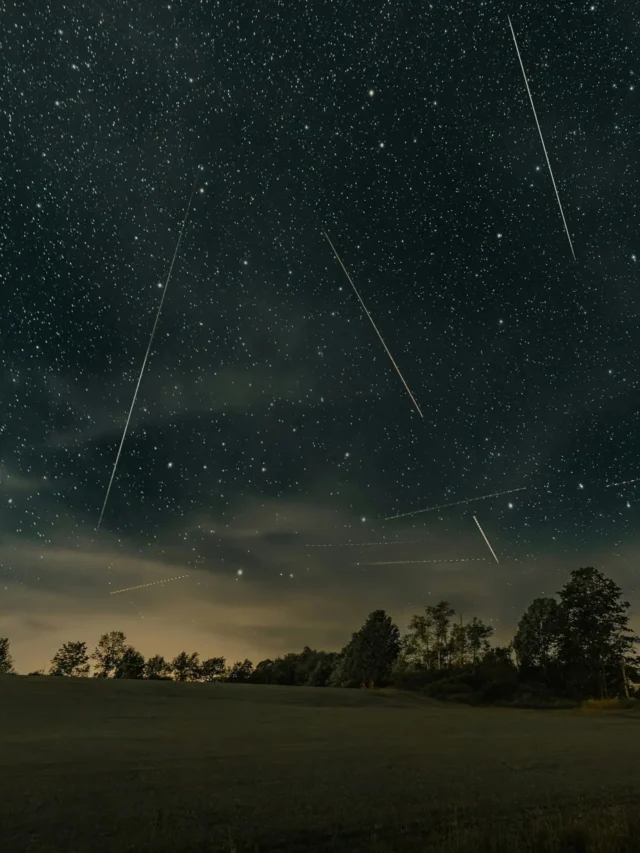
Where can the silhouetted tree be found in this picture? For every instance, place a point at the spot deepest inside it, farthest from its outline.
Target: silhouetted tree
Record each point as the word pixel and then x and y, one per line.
pixel 596 643
pixel 497 665
pixel 6 661
pixel 441 615
pixel 186 667
pixel 430 643
pixel 157 669
pixel 478 635
pixel 321 673
pixel 212 669
pixel 537 635
pixel 240 671
pixel 263 673
pixel 130 665
pixel 459 644
pixel 342 672
pixel 283 670
pixel 108 652
pixel 419 643
pixel 373 650
pixel 71 660
pixel 36 672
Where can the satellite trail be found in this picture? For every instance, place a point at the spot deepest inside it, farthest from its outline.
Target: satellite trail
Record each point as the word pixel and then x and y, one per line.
pixel 623 483
pixel 143 585
pixel 406 562
pixel 144 363
pixel 457 503
pixel 486 540
pixel 368 544
pixel 355 290
pixel 544 147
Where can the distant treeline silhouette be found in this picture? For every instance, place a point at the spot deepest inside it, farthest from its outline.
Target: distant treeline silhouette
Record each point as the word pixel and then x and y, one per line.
pixel 574 647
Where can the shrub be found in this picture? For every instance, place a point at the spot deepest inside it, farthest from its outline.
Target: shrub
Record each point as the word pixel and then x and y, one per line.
pixel 498 691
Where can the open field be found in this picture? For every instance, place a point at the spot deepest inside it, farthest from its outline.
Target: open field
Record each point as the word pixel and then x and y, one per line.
pixel 93 765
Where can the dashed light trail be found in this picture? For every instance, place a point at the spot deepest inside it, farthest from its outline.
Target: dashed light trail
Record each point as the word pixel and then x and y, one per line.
pixel 143 585
pixel 622 483
pixel 407 562
pixel 457 503
pixel 367 544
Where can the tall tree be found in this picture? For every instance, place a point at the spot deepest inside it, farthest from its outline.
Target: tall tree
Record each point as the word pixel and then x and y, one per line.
pixel 596 641
pixel 241 671
pixel 478 635
pixel 263 672
pixel 157 668
pixel 459 643
pixel 71 660
pixel 186 667
pixel 108 652
pixel 419 643
pixel 212 669
pixel 130 665
pixel 441 615
pixel 537 635
pixel 430 641
pixel 374 650
pixel 283 670
pixel 6 661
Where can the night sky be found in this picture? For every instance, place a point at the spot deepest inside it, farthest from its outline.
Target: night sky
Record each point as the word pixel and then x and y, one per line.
pixel 269 418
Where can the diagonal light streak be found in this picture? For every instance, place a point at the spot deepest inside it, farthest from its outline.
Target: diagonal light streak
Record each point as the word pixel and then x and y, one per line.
pixel 146 357
pixel 143 585
pixel 457 503
pixel 544 147
pixel 406 562
pixel 368 544
pixel 623 483
pixel 366 311
pixel 486 540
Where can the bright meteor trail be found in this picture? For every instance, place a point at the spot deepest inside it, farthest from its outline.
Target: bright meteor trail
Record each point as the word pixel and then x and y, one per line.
pixel 146 357
pixel 355 290
pixel 142 585
pixel 457 503
pixel 486 540
pixel 544 147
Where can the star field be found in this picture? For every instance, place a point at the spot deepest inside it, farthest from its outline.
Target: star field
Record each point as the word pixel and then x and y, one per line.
pixel 269 417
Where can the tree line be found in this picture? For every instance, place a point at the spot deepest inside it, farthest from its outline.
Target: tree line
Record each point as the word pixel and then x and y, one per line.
pixel 578 645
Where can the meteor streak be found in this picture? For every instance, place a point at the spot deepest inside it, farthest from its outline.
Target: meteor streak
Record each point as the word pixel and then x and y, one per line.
pixel 146 357
pixel 623 483
pixel 355 290
pixel 486 540
pixel 544 147
pixel 457 503
pixel 142 585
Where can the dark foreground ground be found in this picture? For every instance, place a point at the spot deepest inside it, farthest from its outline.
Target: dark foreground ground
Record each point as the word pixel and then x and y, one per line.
pixel 92 765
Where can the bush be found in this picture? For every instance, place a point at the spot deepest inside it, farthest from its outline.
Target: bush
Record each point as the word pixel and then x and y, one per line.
pixel 611 705
pixel 498 691
pixel 446 688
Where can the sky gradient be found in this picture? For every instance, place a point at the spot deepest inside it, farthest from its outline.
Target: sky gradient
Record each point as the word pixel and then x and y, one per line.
pixel 271 429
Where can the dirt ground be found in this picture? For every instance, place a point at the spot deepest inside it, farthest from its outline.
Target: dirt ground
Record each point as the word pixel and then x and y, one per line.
pixel 94 765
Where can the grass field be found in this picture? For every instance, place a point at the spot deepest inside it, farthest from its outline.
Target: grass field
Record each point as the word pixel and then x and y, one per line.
pixel 93 765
